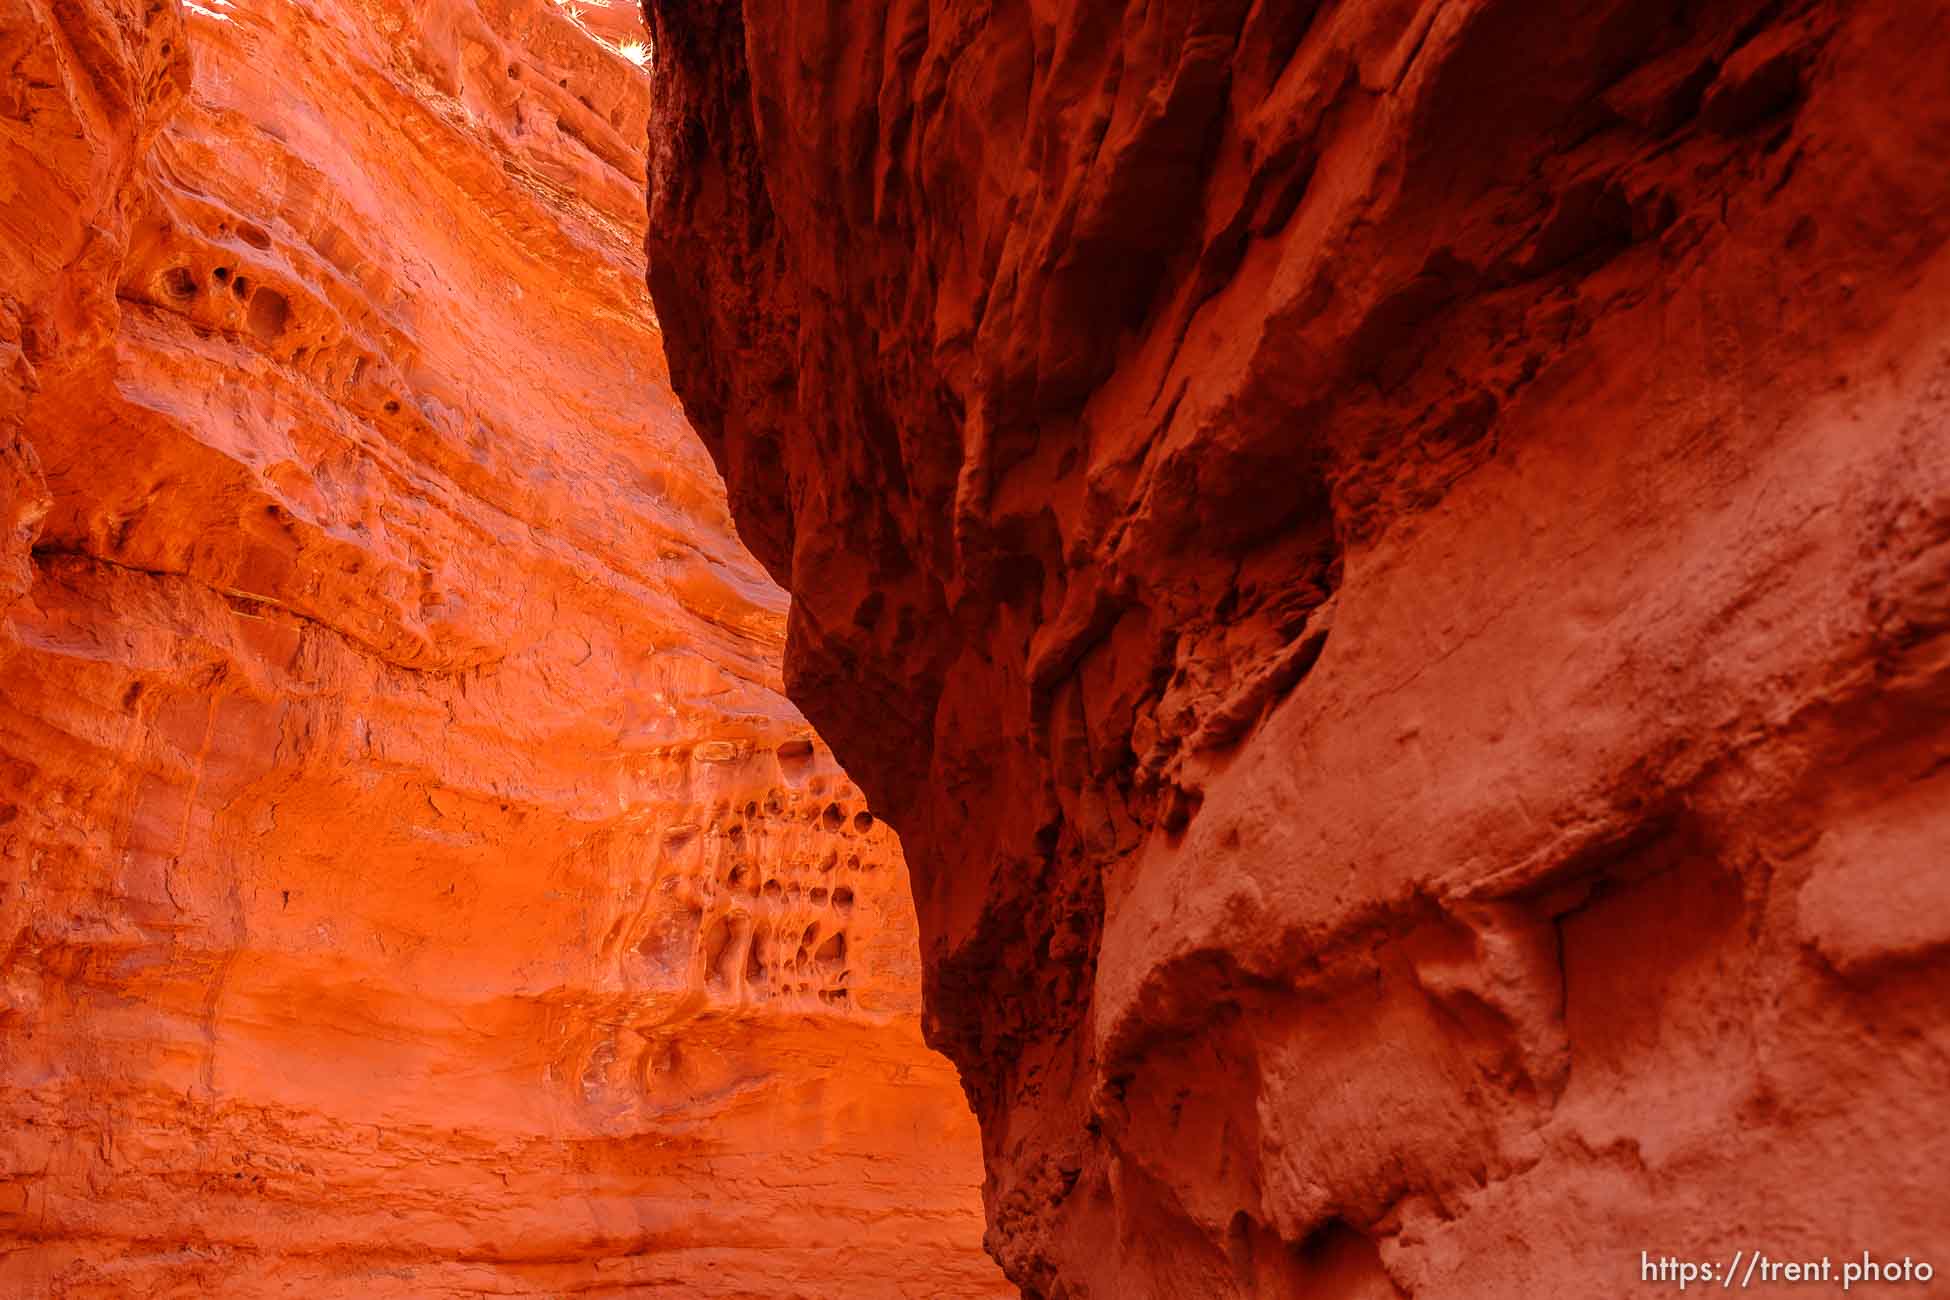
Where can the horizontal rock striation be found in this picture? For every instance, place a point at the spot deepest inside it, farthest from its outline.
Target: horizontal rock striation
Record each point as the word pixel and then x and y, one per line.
pixel 1388 562
pixel 412 880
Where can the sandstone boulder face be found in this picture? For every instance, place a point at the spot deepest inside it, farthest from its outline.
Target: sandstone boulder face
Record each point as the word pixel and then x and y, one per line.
pixel 1388 562
pixel 412 880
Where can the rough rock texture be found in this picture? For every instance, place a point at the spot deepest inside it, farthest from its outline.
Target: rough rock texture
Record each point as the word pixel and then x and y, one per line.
pixel 1388 560
pixel 412 882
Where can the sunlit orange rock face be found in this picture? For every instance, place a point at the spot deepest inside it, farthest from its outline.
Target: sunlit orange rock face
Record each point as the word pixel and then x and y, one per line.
pixel 412 881
pixel 1389 562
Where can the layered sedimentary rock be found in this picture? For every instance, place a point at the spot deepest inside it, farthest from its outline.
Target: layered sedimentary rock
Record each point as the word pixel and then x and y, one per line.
pixel 412 881
pixel 1398 554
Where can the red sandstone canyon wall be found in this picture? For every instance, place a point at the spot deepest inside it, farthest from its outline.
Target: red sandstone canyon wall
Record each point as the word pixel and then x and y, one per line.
pixel 1387 559
pixel 412 880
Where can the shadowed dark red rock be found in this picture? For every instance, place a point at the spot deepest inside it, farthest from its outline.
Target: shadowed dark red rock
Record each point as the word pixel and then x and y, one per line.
pixel 1397 553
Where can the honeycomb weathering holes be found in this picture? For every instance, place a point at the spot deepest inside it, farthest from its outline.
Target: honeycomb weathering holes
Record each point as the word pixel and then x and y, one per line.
pixel 269 311
pixel 199 371
pixel 796 758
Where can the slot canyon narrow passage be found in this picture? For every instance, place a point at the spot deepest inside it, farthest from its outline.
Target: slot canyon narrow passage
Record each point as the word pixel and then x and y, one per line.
pixel 1340 691
pixel 413 882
